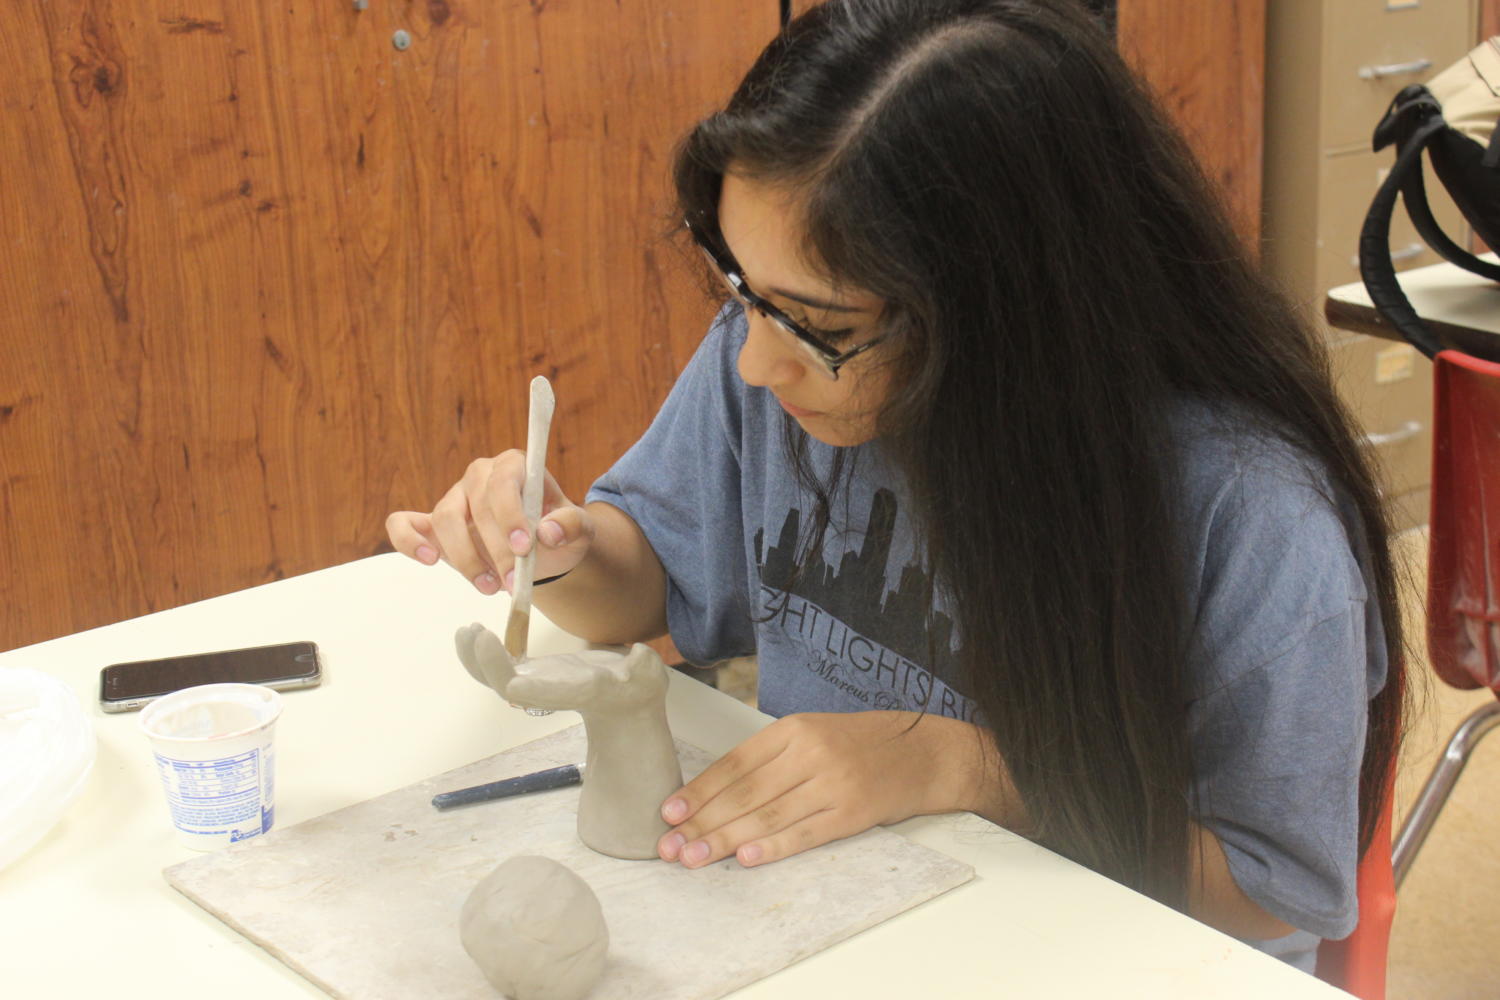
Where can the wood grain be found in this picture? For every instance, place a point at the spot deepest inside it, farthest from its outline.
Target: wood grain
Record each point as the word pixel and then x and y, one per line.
pixel 1206 62
pixel 268 278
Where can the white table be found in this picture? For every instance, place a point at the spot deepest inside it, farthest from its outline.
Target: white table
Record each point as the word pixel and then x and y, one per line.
pixel 87 913
pixel 1461 308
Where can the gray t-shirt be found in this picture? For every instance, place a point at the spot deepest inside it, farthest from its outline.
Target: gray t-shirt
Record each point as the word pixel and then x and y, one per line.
pixel 1286 648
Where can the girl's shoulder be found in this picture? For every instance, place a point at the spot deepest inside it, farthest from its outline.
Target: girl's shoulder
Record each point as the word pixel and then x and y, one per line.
pixel 1226 451
pixel 1273 545
pixel 1251 503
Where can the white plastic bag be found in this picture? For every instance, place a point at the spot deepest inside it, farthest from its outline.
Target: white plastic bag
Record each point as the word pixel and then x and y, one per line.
pixel 47 749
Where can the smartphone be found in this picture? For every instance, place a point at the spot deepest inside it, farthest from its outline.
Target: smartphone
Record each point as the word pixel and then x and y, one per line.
pixel 285 666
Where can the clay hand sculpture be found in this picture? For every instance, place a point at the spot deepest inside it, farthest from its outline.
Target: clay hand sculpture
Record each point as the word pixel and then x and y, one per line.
pixel 631 766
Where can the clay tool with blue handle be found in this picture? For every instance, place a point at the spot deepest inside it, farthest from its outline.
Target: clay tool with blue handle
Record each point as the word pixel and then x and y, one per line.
pixel 539 781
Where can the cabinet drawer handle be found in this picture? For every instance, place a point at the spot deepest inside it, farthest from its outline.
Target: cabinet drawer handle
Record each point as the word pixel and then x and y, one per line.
pixel 1405 432
pixel 1394 69
pixel 1408 252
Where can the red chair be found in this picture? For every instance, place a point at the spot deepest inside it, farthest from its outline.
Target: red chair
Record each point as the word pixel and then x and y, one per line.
pixel 1463 643
pixel 1463 568
pixel 1356 964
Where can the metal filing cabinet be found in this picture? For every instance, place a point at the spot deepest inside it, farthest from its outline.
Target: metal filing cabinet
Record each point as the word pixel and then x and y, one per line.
pixel 1332 67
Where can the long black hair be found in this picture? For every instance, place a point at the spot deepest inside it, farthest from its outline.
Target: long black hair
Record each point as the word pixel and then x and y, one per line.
pixel 1059 276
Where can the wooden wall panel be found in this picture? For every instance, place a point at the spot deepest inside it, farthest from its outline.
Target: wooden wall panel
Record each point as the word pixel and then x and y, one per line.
pixel 1206 62
pixel 266 278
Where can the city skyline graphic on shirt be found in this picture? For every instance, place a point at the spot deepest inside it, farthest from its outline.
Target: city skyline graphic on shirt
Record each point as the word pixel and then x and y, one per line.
pixel 856 592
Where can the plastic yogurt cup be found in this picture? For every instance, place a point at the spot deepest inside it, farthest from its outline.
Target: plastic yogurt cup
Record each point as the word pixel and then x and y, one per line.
pixel 215 752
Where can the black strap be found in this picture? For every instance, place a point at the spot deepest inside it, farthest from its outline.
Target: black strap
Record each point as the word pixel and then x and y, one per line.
pixel 1491 157
pixel 1414 195
pixel 1375 265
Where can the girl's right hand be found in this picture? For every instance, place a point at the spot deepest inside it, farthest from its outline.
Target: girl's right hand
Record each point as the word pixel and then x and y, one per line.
pixel 479 529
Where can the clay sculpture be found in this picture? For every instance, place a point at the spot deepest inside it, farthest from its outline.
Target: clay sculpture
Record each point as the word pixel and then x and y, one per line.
pixel 536 930
pixel 631 766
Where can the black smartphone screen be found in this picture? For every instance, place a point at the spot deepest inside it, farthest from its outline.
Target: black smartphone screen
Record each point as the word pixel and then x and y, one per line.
pixel 290 664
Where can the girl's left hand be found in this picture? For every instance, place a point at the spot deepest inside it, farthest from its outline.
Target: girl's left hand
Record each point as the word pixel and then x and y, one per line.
pixel 807 779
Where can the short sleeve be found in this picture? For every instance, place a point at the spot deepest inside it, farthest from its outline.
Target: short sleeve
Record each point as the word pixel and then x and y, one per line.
pixel 1278 778
pixel 1284 659
pixel 681 484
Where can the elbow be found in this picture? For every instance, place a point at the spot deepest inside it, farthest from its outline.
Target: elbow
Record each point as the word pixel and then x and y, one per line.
pixel 1250 922
pixel 1215 897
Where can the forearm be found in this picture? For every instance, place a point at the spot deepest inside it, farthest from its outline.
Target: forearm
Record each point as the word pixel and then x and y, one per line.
pixel 970 776
pixel 973 778
pixel 617 594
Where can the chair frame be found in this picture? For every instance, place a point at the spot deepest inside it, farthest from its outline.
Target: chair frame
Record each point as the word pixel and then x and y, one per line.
pixel 1439 785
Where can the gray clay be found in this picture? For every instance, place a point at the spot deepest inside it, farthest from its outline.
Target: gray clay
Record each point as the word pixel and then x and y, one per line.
pixel 535 930
pixel 631 765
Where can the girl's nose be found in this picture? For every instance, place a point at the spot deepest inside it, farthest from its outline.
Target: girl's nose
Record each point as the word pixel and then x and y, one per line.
pixel 766 359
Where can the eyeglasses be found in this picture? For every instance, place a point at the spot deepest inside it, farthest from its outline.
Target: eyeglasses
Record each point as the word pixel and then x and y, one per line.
pixel 825 358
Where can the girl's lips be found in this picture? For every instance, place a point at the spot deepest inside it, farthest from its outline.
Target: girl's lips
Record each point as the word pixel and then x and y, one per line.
pixel 797 411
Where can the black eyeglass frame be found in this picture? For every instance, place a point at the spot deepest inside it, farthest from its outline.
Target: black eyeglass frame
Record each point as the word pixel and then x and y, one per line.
pixel 828 359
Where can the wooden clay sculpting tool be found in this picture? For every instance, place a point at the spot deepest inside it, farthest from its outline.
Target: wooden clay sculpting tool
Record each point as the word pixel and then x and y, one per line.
pixel 538 425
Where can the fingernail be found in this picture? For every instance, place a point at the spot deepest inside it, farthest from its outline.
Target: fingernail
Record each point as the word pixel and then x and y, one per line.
pixel 518 541
pixel 486 583
pixel 751 853
pixel 671 846
pixel 550 532
pixel 675 811
pixel 510 581
pixel 427 554
pixel 694 853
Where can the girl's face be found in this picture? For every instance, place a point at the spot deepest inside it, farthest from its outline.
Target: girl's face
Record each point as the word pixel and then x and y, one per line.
pixel 762 229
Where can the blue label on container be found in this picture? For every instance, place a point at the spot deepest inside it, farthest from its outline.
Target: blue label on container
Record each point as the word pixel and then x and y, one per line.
pixel 217 796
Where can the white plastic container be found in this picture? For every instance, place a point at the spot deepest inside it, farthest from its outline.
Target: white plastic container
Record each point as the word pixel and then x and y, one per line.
pixel 215 752
pixel 46 753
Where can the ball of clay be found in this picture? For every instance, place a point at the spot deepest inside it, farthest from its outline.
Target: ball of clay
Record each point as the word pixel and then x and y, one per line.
pixel 536 930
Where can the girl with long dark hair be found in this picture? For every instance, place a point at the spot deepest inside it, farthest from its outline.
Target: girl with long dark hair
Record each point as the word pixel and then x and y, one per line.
pixel 1030 494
